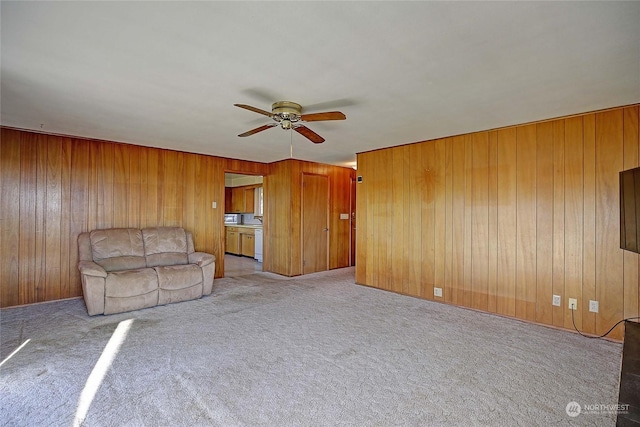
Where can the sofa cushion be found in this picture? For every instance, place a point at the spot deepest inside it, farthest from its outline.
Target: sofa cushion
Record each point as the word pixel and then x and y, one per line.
pixel 178 276
pixel 131 283
pixel 118 305
pixel 165 246
pixel 118 249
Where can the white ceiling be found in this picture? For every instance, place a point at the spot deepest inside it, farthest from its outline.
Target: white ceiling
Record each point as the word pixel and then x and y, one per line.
pixel 166 74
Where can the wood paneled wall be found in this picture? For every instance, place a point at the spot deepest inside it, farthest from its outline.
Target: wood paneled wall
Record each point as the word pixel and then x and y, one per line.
pixel 53 188
pixel 504 219
pixel 283 192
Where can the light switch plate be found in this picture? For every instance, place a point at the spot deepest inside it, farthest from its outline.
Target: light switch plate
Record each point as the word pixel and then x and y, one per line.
pixel 344 216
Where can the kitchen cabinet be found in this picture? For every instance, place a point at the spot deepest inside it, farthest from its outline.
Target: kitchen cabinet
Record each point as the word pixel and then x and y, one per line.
pixel 241 241
pixel 232 236
pixel 249 199
pixel 240 199
pixel 237 200
pixel 247 244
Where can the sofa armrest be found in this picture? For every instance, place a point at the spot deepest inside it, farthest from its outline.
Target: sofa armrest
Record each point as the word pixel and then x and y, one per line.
pixel 90 268
pixel 201 258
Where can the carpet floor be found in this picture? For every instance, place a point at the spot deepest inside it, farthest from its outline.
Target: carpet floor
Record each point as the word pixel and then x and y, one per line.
pixel 307 351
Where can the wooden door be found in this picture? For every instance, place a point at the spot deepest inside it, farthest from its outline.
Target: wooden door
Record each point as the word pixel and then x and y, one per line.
pixel 315 223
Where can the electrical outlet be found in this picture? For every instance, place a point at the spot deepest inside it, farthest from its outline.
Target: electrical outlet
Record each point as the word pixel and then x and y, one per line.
pixel 214 205
pixel 573 304
pixel 556 300
pixel 437 292
pixel 593 306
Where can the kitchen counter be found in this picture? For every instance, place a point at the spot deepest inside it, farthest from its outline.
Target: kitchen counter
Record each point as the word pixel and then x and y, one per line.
pixel 243 226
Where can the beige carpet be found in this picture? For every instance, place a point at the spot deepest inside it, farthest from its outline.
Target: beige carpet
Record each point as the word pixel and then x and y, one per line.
pixel 308 351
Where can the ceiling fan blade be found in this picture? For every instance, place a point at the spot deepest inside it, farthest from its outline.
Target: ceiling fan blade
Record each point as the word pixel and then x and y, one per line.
pixel 318 117
pixel 309 134
pixel 264 95
pixel 254 109
pixel 260 129
pixel 330 105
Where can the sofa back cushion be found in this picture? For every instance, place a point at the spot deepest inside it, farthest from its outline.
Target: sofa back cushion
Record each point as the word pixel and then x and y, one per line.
pixel 165 246
pixel 118 249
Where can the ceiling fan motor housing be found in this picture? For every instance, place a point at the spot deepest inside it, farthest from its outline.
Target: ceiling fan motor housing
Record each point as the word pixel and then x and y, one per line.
pixel 287 110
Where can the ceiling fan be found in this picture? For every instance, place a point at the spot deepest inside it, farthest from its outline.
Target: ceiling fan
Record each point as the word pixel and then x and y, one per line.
pixel 289 115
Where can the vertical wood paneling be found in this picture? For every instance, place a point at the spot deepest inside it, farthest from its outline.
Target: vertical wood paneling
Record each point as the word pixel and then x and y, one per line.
pixel 92 186
pixel 41 197
pixel 397 232
pixel 609 264
pixel 121 179
pixel 457 218
pixel 559 183
pixel 136 171
pixel 507 214
pixel 516 215
pixel 53 200
pixel 27 186
pixel 362 209
pixel 427 216
pixel 526 223
pixel 79 207
pixel 492 269
pixel 467 231
pixel 447 292
pixel 480 221
pixel 544 222
pixel 106 171
pixel 440 213
pixel 67 253
pixel 630 260
pixel 188 188
pixel 172 197
pixel 589 225
pixel 406 258
pixel 10 217
pixel 574 214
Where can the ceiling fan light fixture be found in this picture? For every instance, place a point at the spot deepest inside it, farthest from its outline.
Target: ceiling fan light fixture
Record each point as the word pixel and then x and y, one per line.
pixel 289 116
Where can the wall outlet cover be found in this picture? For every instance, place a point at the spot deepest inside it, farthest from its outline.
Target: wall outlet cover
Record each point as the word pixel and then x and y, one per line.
pixel 573 304
pixel 556 300
pixel 593 306
pixel 437 292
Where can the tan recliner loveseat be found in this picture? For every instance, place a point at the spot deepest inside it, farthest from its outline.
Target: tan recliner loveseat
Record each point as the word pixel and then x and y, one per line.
pixel 125 269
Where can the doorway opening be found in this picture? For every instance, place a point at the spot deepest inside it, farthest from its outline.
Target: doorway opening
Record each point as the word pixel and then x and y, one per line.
pixel 244 237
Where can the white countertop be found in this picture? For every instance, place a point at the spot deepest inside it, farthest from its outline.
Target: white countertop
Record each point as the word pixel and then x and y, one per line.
pixel 243 225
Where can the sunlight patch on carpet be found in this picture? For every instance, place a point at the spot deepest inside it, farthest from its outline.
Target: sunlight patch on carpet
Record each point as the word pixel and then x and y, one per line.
pixel 100 370
pixel 13 353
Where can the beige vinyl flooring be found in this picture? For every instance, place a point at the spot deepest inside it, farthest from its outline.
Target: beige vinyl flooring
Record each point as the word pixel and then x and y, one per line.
pixel 240 266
